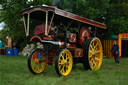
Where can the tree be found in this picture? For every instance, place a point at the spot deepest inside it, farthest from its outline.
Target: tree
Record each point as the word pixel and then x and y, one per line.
pixel 93 9
pixel 117 17
pixel 11 16
pixel 114 13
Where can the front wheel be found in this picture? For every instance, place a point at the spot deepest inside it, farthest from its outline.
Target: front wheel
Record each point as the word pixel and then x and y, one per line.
pixel 37 61
pixel 63 62
pixel 92 53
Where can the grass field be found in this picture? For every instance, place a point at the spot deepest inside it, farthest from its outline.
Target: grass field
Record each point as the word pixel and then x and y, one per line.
pixel 14 71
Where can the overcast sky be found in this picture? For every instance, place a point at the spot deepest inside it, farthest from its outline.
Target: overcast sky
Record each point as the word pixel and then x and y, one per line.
pixel 2 24
pixel 0 7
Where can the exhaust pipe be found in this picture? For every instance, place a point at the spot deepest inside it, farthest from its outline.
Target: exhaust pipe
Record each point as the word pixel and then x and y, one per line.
pixel 58 43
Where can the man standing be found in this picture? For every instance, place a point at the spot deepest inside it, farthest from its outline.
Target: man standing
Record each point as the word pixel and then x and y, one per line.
pixel 115 52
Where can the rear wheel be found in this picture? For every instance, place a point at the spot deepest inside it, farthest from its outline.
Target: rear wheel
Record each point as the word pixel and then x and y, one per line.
pixel 63 62
pixel 92 54
pixel 37 61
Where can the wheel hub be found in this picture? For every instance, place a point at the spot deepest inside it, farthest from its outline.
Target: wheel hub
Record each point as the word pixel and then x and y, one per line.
pixel 36 61
pixel 94 54
pixel 64 62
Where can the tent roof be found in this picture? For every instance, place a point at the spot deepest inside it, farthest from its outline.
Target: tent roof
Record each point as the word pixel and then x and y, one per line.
pixel 111 37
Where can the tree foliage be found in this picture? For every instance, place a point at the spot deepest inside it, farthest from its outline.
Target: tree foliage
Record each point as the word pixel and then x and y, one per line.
pixel 93 9
pixel 114 13
pixel 117 16
pixel 11 16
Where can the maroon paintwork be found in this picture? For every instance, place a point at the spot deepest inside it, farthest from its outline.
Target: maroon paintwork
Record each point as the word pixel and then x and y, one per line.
pixel 64 14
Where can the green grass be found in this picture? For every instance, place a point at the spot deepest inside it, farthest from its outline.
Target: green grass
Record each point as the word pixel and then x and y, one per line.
pixel 14 71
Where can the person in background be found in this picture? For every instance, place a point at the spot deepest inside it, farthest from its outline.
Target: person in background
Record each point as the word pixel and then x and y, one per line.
pixel 9 42
pixel 115 52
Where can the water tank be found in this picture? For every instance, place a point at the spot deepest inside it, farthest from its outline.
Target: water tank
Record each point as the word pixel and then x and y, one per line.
pixel 9 52
pixel 15 52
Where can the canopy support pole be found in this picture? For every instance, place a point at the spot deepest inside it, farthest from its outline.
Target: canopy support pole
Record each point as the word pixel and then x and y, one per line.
pixel 46 23
pixel 51 21
pixel 25 25
pixel 27 34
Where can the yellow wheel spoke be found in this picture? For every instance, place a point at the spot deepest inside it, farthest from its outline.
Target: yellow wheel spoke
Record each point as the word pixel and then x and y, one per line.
pixel 33 65
pixel 61 64
pixel 90 51
pixel 95 46
pixel 62 57
pixel 37 68
pixel 60 67
pixel 98 51
pixel 97 59
pixel 94 62
pixel 92 47
pixel 66 57
pixel 67 67
pixel 62 70
pixel 42 65
pixel 90 56
pixel 91 63
pixel 33 62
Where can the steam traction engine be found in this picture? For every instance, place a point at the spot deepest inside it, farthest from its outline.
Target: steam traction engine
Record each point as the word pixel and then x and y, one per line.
pixel 67 39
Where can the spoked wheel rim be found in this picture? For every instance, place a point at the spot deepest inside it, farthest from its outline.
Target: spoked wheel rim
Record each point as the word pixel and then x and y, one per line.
pixel 64 63
pixel 95 54
pixel 37 61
